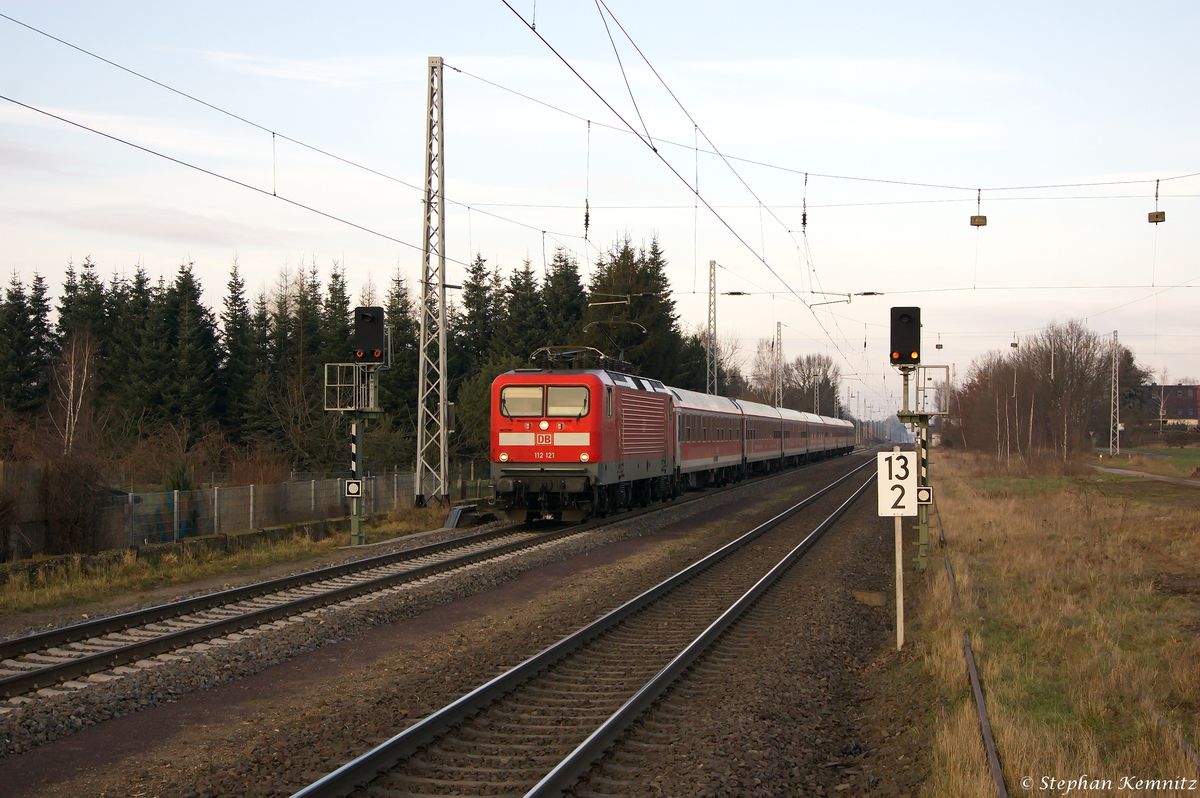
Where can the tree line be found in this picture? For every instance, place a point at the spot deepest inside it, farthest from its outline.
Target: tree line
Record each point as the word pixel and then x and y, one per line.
pixel 1051 393
pixel 145 380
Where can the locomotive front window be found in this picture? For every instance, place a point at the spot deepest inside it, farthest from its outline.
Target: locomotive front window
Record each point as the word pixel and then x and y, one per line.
pixel 521 400
pixel 567 400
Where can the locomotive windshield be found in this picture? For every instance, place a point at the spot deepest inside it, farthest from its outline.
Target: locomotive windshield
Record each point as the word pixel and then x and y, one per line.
pixel 521 400
pixel 567 400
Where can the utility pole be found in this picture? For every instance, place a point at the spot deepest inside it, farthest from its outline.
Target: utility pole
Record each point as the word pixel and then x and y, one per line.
pixel 1114 415
pixel 430 479
pixel 711 362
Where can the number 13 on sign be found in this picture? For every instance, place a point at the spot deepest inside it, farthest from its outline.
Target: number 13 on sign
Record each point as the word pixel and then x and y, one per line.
pixel 897 483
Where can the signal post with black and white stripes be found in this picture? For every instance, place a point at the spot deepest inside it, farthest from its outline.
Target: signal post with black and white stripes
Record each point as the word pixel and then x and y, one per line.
pixel 353 390
pixel 930 397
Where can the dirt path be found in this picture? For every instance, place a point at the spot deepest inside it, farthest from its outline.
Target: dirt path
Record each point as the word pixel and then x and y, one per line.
pixel 1195 483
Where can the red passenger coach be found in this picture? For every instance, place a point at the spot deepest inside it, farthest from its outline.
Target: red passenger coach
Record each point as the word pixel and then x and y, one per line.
pixel 709 431
pixel 568 444
pixel 571 444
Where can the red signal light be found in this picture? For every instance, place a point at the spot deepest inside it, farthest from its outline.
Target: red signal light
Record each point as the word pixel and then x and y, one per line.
pixel 359 353
pixel 378 353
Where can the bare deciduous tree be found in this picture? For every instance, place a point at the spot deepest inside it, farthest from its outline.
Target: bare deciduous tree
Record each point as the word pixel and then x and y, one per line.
pixel 71 394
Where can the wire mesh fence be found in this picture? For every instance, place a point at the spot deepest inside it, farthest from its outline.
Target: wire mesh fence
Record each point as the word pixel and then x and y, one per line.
pixel 137 519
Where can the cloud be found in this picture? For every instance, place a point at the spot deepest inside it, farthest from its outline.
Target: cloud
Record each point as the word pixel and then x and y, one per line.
pixel 15 157
pixel 164 224
pixel 839 74
pixel 143 131
pixel 342 71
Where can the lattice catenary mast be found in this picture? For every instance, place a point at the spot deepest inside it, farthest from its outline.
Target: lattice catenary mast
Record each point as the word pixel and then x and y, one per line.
pixel 1114 415
pixel 430 479
pixel 711 362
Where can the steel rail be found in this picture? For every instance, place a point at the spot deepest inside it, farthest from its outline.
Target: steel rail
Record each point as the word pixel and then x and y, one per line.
pixel 119 623
pixel 86 664
pixel 568 771
pixel 348 777
pixel 95 663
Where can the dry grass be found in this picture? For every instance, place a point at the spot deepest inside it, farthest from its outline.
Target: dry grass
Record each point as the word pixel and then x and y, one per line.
pixel 134 576
pixel 406 521
pixel 1159 460
pixel 1063 594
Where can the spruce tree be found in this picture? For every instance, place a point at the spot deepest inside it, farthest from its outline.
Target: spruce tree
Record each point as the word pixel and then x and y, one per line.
pixel 477 321
pixel 522 321
pixel 23 366
pixel 642 277
pixel 308 324
pixel 240 359
pixel 399 383
pixel 258 424
pixel 150 348
pixel 81 308
pixel 39 310
pixel 337 331
pixel 565 301
pixel 190 392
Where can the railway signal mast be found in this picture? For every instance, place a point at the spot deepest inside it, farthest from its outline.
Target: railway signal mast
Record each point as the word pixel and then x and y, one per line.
pixel 931 398
pixel 353 390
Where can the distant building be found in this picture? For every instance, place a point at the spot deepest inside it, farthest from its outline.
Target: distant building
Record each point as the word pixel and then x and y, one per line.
pixel 1172 404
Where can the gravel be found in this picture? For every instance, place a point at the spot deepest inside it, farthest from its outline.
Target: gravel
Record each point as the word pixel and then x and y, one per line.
pixel 777 706
pixel 821 692
pixel 154 682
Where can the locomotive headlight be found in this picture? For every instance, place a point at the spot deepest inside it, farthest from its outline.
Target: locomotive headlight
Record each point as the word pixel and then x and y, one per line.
pixel 503 457
pixel 583 457
pixel 544 425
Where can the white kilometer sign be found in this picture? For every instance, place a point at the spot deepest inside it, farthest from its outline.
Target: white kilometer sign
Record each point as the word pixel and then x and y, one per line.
pixel 897 483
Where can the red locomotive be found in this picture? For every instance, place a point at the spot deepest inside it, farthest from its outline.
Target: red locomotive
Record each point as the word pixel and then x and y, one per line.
pixel 576 443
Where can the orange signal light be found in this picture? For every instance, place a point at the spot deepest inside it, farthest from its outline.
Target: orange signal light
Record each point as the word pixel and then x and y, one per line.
pixel 359 353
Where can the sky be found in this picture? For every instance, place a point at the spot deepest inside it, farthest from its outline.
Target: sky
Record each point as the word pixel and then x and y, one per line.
pixel 898 113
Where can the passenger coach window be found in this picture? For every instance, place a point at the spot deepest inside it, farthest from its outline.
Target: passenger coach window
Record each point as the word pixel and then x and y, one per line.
pixel 567 400
pixel 521 400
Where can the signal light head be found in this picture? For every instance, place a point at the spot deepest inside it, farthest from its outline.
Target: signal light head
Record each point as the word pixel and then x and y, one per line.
pixel 906 336
pixel 359 353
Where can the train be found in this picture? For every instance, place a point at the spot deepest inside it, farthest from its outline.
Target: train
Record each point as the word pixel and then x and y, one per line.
pixel 572 444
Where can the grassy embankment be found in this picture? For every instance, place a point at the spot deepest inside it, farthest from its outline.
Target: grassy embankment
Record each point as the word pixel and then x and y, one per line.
pixel 1157 460
pixel 133 576
pixel 1077 589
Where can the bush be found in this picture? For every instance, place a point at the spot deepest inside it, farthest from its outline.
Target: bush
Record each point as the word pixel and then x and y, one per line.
pixel 72 492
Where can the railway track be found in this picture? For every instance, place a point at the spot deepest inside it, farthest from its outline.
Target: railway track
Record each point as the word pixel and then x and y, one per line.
pixel 55 661
pixel 536 728
pixel 79 656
